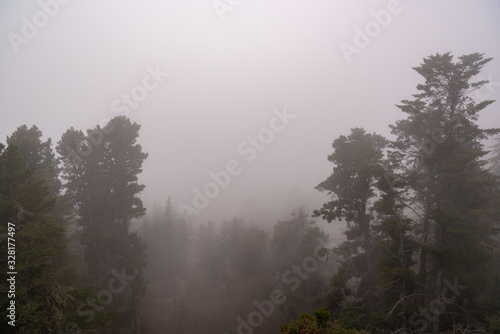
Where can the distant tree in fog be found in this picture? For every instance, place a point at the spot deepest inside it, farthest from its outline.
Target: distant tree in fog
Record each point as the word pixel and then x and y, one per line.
pixel 296 248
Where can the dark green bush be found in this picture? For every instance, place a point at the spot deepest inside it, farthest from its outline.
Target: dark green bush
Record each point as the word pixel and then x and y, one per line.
pixel 320 323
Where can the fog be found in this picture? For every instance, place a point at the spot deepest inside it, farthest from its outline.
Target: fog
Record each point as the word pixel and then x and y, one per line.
pixel 258 88
pixel 225 78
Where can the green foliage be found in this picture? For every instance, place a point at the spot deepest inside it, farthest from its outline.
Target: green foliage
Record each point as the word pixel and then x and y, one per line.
pixel 318 324
pixel 38 155
pixel 104 191
pixel 358 166
pixel 322 317
pixel 493 324
pixel 452 193
pixel 41 302
pixel 350 319
pixel 419 210
pixel 80 316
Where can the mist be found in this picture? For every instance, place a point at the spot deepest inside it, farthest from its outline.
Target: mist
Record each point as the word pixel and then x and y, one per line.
pixel 238 104
pixel 225 78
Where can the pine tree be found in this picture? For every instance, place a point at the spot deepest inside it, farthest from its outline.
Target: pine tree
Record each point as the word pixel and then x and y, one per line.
pixel 168 238
pixel 39 156
pixel 453 195
pixel 296 242
pixel 358 160
pixel 207 252
pixel 24 201
pixel 395 275
pixel 104 191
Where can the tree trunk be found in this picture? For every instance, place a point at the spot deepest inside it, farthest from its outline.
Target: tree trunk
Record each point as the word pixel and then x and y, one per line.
pixel 437 303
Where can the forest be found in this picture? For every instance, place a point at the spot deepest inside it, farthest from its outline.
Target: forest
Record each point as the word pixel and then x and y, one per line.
pixel 420 251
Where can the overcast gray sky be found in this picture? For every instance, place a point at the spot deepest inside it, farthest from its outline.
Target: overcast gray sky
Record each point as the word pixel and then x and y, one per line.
pixel 232 65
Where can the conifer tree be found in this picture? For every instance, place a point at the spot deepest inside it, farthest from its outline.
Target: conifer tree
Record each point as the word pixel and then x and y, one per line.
pixel 358 160
pixel 32 241
pixel 297 241
pixel 104 190
pixel 453 195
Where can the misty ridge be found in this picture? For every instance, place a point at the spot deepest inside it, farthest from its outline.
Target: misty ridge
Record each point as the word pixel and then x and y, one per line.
pixel 249 167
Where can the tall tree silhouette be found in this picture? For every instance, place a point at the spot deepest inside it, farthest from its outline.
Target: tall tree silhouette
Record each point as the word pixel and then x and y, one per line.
pixel 357 160
pixel 452 192
pixel 104 189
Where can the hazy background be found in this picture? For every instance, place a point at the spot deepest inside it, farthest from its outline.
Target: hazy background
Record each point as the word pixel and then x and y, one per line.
pixel 226 77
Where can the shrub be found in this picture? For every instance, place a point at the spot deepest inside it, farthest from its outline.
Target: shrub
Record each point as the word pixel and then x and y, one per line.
pixel 320 323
